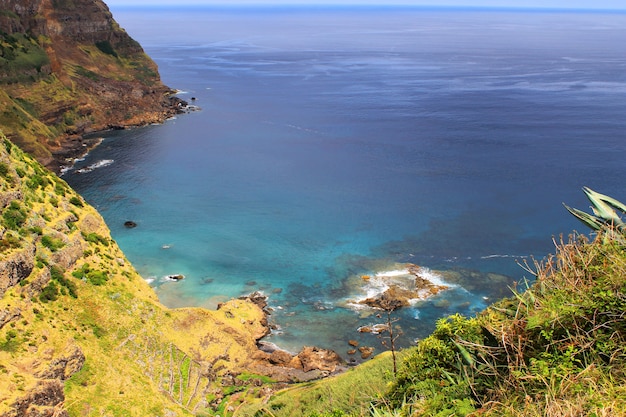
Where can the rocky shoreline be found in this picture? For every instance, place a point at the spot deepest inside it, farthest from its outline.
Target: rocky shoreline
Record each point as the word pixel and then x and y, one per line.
pixel 310 363
pixel 76 146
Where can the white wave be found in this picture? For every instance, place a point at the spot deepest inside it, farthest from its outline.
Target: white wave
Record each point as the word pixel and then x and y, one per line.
pixel 150 280
pixel 434 277
pixel 503 256
pixel 393 273
pixel 99 164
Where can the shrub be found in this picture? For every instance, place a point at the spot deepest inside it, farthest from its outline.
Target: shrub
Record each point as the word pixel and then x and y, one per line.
pixel 52 243
pixel 4 170
pixel 10 241
pixel 58 275
pixel 97 277
pixel 76 201
pixel 59 189
pixel 14 216
pixel 36 181
pixel 96 238
pixel 49 293
pixel 106 47
pixel 92 276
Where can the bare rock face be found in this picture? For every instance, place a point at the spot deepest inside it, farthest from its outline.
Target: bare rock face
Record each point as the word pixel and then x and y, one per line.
pixel 65 366
pixel 16 267
pixel 45 400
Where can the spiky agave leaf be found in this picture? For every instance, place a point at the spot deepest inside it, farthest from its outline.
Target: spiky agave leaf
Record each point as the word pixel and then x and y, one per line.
pixel 594 222
pixel 596 197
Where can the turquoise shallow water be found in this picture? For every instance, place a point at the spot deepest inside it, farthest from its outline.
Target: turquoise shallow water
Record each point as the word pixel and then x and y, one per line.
pixel 338 143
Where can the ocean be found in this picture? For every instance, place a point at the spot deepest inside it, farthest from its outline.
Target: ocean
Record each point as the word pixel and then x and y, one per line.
pixel 334 146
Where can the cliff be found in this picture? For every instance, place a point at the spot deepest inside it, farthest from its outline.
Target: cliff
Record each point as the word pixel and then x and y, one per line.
pixel 66 69
pixel 82 333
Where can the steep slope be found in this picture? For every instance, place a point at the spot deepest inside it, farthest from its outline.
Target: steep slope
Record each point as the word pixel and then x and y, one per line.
pixel 67 68
pixel 82 333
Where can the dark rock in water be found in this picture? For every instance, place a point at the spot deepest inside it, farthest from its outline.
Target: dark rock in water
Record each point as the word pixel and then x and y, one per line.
pixel 366 351
pixel 176 277
pixel 251 283
pixel 130 224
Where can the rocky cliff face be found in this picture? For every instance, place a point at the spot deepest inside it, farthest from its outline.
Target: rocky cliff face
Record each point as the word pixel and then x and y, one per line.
pixel 67 68
pixel 81 333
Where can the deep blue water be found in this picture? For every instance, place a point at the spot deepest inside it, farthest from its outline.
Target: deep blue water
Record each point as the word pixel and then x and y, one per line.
pixel 334 143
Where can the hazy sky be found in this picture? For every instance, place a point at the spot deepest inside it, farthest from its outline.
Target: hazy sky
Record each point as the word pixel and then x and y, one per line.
pixel 566 4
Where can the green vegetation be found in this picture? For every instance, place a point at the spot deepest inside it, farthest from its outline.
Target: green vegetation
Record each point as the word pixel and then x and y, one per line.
pixel 92 276
pixel 52 243
pixel 76 201
pixel 57 274
pixel 106 47
pixel 604 216
pixel 49 293
pixel 96 239
pixel 14 216
pixel 22 57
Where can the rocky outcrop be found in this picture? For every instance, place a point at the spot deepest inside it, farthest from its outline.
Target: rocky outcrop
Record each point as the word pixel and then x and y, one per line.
pixel 16 267
pixel 310 363
pixel 64 366
pixel 96 77
pixel 46 399
pixel 400 293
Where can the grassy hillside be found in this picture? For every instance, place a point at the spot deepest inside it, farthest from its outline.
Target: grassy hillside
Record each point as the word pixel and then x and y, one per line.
pixel 558 348
pixel 81 331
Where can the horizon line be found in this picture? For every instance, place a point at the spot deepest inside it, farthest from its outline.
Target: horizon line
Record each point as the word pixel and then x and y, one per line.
pixel 345 6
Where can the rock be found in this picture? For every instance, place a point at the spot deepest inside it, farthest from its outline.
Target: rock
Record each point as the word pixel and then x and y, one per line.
pixel 366 351
pixel 314 358
pixel 129 224
pixel 353 343
pixel 374 329
pixel 351 352
pixel 15 267
pixel 257 298
pixel 175 277
pixel 280 357
pixel 7 316
pixel 396 296
pixel 47 395
pixel 64 367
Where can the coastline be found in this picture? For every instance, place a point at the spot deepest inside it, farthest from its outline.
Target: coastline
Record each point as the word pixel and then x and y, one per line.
pixel 78 146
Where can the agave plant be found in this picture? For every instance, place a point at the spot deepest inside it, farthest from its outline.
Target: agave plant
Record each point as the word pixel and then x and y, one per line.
pixel 604 212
